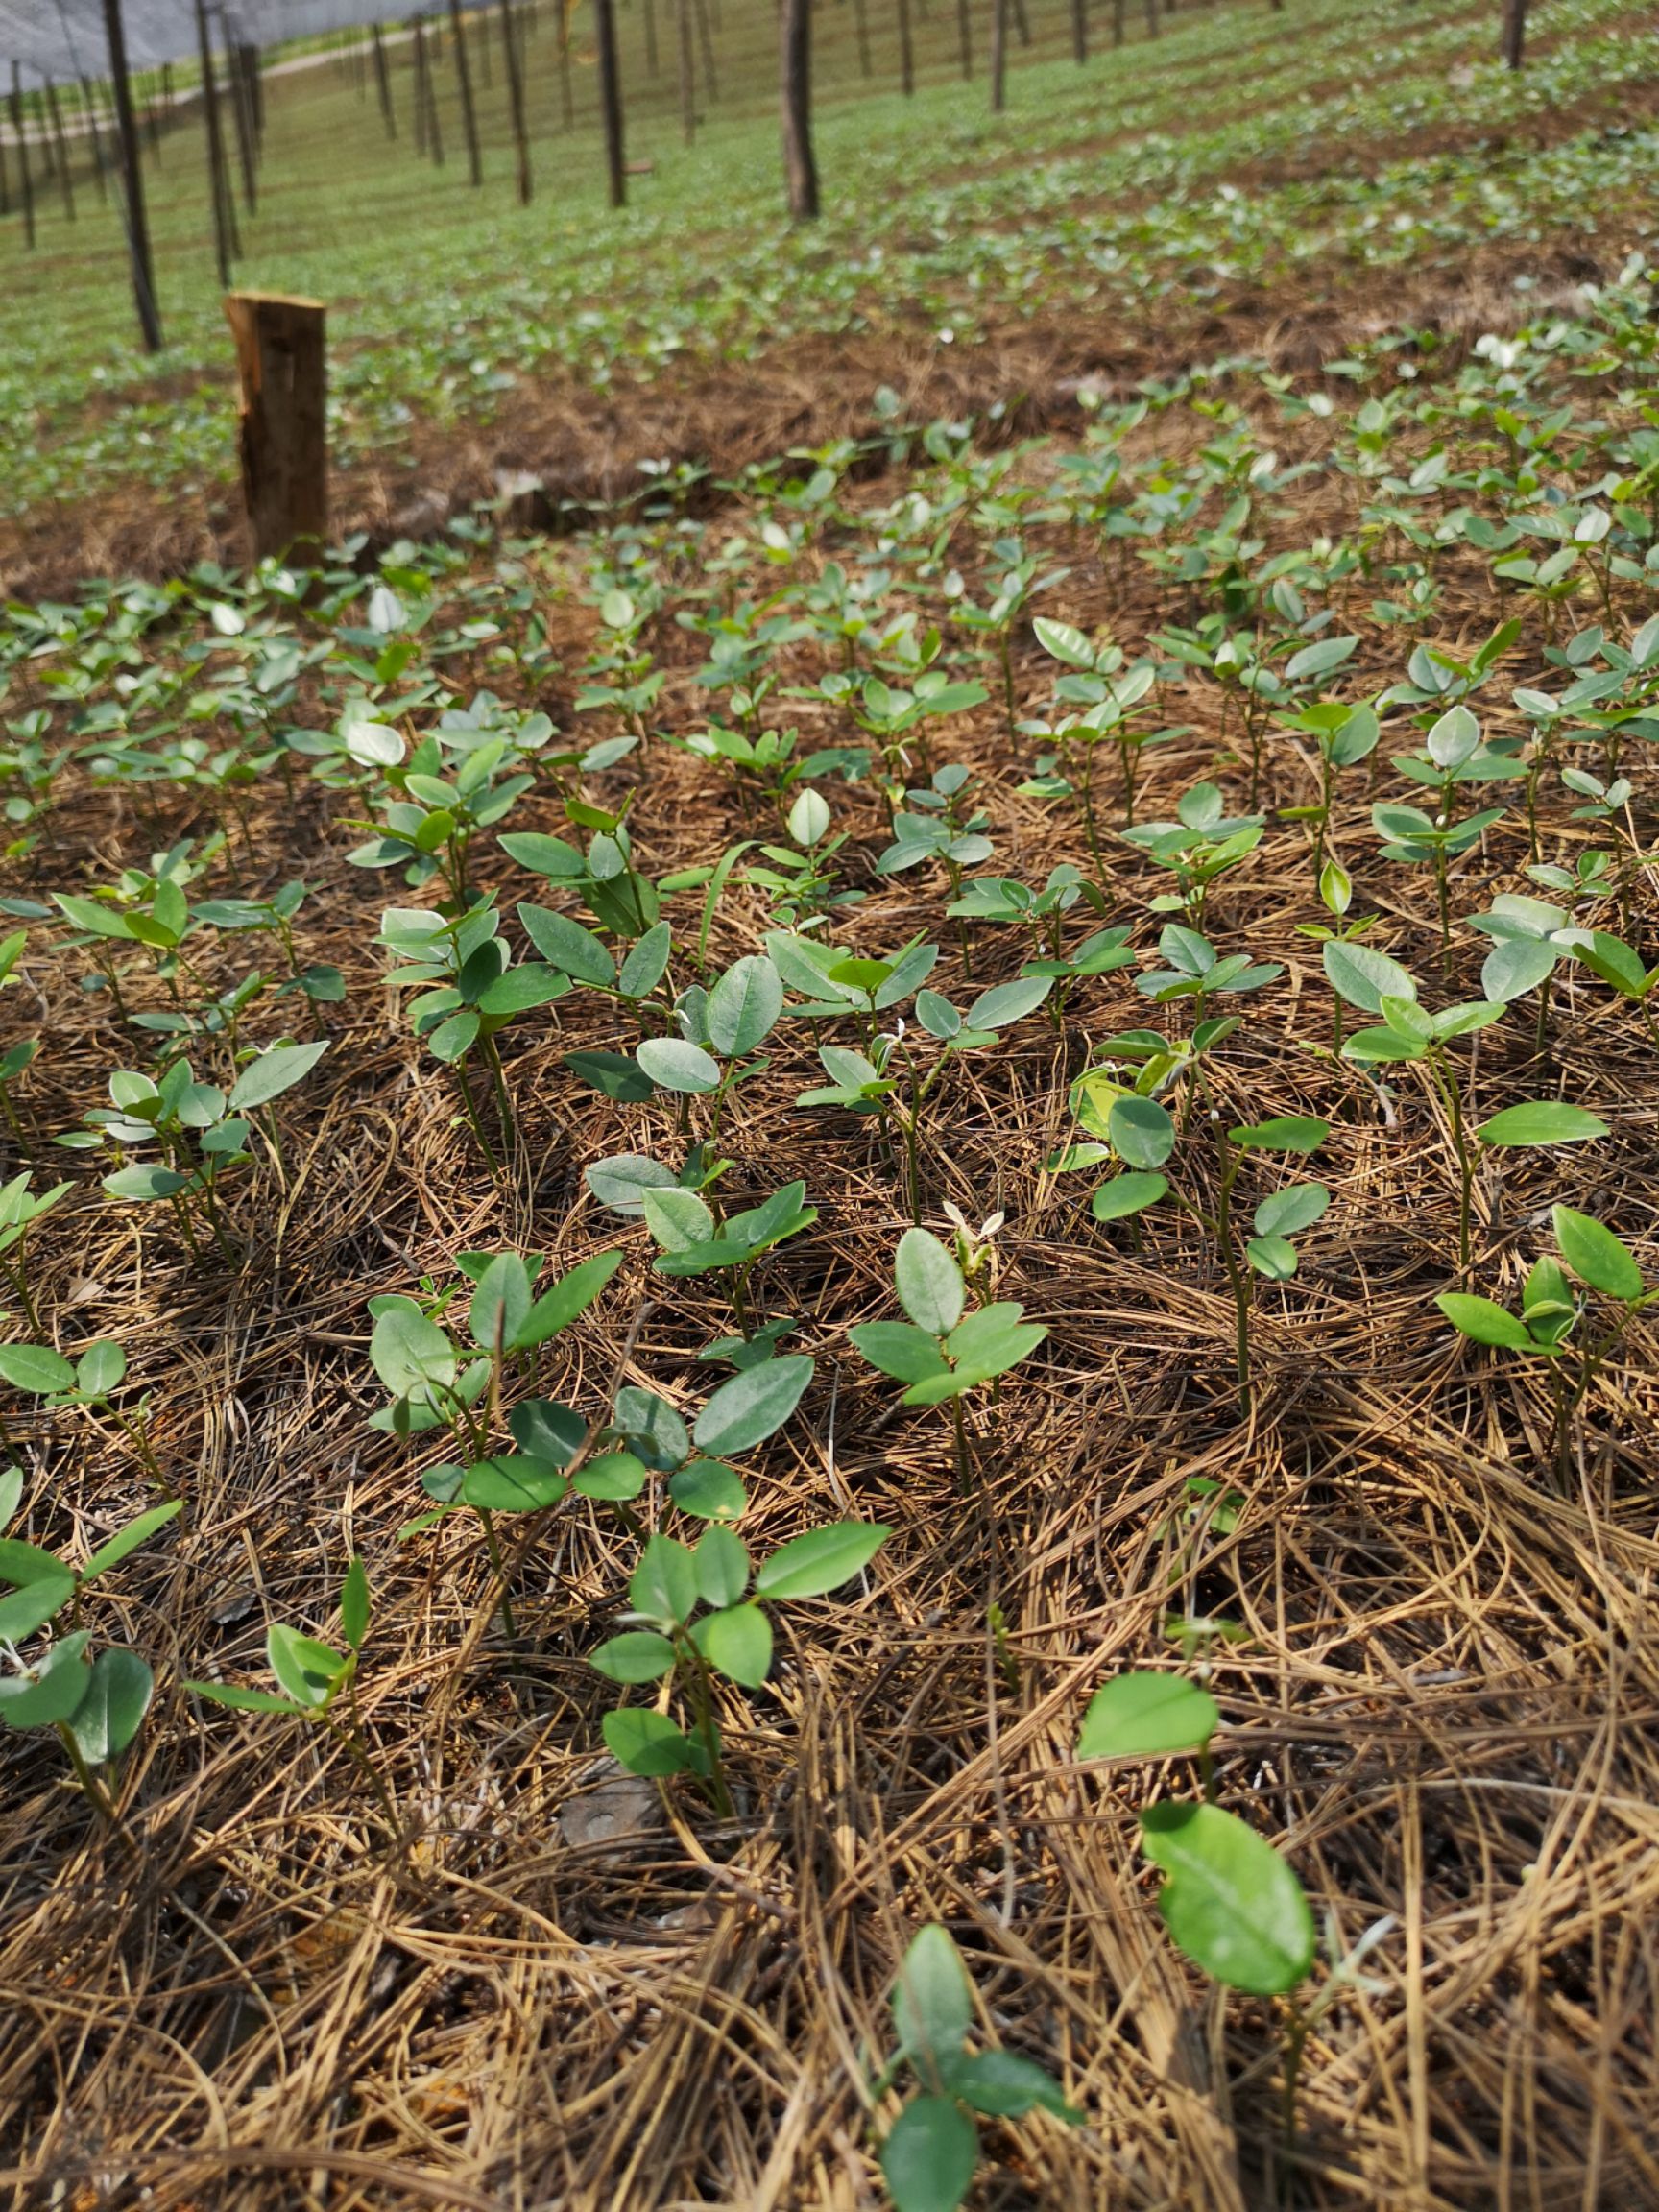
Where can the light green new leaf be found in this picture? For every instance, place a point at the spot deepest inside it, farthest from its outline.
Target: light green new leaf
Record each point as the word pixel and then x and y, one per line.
pixel 272 1073
pixel 1147 1716
pixel 1230 1902
pixel 811 1566
pixel 1596 1256
pixel 112 1709
pixel 1485 1322
pixel 1542 1122
pixel 736 1643
pixel 932 2000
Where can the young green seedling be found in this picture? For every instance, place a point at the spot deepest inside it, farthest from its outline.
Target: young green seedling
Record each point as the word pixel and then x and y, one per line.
pixel 1408 1033
pixel 315 1681
pixel 941 1354
pixel 693 1241
pixel 1107 692
pixel 1229 1901
pixel 1452 754
pixel 479 989
pixel 1342 736
pixel 1550 1312
pixel 94 1706
pixel 20 1208
pixel 1202 844
pixel 932 2148
pixel 719 1029
pixel 698 1613
pixel 39 1371
pixel 436 1385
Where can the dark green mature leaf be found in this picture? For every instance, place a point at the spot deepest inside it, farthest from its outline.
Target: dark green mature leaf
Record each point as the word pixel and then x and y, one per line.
pixel 645 1743
pixel 128 1539
pixel 1130 1192
pixel 736 1643
pixel 640 1655
pixel 1140 1132
pixel 272 1073
pixel 928 2158
pixel 1283 1132
pixel 752 1405
pixel 112 1709
pixel 1230 1902
pixel 1365 978
pixel 53 1689
pixel 36 1369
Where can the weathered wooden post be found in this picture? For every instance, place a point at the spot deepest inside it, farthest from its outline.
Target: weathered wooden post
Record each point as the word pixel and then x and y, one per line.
pixel 800 168
pixel 283 436
pixel 611 100
pixel 463 84
pixel 17 125
pixel 132 170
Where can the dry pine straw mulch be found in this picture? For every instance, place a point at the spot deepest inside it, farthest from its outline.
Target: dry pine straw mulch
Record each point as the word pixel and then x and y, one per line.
pixel 565 1996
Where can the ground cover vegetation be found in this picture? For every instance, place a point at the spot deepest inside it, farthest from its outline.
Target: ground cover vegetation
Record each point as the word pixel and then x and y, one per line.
pixel 830 1371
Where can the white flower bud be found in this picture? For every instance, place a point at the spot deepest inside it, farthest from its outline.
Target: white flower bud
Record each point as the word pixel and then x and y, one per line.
pixel 809 818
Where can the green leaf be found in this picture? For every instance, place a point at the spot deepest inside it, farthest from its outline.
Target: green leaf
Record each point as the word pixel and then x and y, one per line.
pixel 618 1078
pixel 743 1005
pixel 1596 1256
pixel 1274 1256
pixel 929 1282
pixel 621 1182
pixel 722 1564
pixel 1007 1003
pixel 640 1655
pixel 644 1741
pixel 35 1369
pixel 708 1490
pixel 907 1353
pixel 643 969
pixel 752 1405
pixel 244 1701
pixel 677 1218
pixel 1140 1132
pixel 1288 1212
pixel 1365 978
pixel 272 1073
pixel 1003 2083
pixel 1283 1132
pixel 112 1709
pixel 1130 1192
pixel 570 1296
pixel 409 1354
pixel 101 1368
pixel 614 1477
pixel 355 1605
pixel 500 1303
pixel 128 1539
pixel 140 1183
pixel 1146 1715
pixel 737 1642
pixel 811 1565
pixel 928 2158
pixel 31 1605
pixel 674 1065
pixel 52 1690
pixel 306 1670
pixel 1516 965
pixel 567 946
pixel 1485 1322
pixel 932 2000
pixel 1230 1902
pixel 1542 1122
pixel 663 1586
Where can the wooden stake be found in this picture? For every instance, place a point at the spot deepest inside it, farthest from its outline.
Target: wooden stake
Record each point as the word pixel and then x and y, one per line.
pixel 800 168
pixel 217 183
pixel 463 84
pixel 998 55
pixel 687 72
pixel 241 115
pixel 132 211
pixel 611 101
pixel 65 182
pixel 282 438
pixel 27 182
pixel 907 49
pixel 965 37
pixel 383 82
pixel 513 62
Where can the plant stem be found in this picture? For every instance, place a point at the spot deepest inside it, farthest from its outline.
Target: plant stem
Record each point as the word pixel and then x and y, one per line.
pixel 92 1790
pixel 492 1545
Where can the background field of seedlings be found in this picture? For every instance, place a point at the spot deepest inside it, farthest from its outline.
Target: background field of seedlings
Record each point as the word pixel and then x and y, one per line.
pixel 1429 1628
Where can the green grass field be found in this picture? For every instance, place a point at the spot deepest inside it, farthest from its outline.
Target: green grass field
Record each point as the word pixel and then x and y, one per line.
pixel 1094 186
